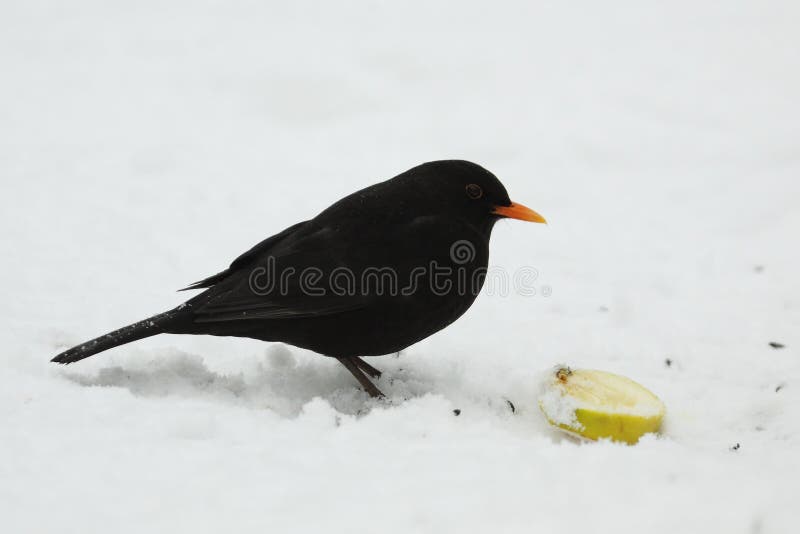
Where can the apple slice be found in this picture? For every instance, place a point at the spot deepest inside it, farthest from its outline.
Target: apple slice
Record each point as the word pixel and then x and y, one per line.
pixel 596 404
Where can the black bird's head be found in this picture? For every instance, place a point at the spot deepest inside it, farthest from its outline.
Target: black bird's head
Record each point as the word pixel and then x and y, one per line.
pixel 466 190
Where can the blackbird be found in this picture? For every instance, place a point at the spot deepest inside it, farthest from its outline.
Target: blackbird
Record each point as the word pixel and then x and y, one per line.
pixel 375 272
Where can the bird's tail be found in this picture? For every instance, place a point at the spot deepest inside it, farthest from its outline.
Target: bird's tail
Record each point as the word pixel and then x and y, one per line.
pixel 157 324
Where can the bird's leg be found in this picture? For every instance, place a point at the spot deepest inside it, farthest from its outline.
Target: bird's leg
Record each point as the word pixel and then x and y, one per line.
pixel 350 365
pixel 367 368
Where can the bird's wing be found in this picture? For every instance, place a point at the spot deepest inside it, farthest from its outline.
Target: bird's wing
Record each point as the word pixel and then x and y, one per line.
pixel 267 281
pixel 325 247
pixel 280 308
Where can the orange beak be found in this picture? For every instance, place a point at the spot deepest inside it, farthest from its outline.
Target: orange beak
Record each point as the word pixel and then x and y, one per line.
pixel 518 211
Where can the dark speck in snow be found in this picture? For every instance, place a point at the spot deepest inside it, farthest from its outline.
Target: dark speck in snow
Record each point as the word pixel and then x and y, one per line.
pixel 511 405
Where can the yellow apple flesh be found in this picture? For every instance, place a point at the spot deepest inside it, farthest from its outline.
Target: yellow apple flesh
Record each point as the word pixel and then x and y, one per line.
pixel 596 404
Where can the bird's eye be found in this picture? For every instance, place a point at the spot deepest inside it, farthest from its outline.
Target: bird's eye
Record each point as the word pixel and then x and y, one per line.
pixel 474 191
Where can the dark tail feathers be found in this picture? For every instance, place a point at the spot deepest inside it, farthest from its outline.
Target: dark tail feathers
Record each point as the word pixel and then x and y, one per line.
pixel 157 324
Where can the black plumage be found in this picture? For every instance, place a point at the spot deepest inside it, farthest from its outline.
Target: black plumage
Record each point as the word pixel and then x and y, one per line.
pixel 372 274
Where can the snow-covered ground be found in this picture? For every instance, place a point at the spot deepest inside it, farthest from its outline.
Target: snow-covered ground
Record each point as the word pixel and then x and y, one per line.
pixel 145 144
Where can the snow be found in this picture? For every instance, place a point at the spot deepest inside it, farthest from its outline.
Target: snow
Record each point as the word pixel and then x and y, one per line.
pixel 557 405
pixel 146 144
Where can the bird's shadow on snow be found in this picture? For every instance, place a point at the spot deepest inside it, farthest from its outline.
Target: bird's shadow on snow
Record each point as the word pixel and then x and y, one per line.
pixel 284 384
pixel 278 381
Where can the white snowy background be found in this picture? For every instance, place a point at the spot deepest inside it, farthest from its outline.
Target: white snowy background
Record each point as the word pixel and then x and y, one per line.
pixel 144 144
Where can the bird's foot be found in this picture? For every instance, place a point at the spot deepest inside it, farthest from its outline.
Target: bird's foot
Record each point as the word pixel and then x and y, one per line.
pixel 367 368
pixel 357 368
